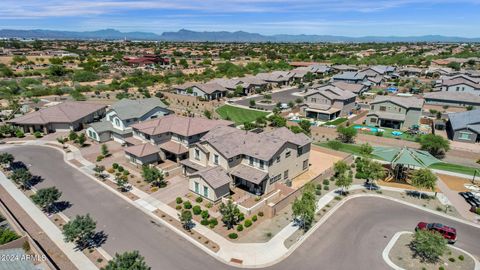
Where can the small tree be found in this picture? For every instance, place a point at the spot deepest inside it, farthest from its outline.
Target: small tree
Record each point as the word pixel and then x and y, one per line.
pixel 186 219
pixel 207 114
pixel 6 158
pixel 424 179
pixel 346 134
pixel 121 183
pixel 344 181
pixel 81 139
pixel 230 214
pixel 153 176
pixel 428 245
pixel 46 197
pixel 304 208
pixel 80 230
pixel 21 177
pixel 105 151
pixel 252 102
pixel 340 167
pixel 305 125
pixel 72 136
pixel 366 149
pixel 128 261
pixel 435 145
pixel 371 170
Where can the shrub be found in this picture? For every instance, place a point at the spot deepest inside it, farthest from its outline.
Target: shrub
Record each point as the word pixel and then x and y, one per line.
pixel 335 145
pixel 126 173
pixel 233 236
pixel 326 188
pixel 451 259
pixel 326 182
pixel 209 205
pixel 115 165
pixel 205 214
pixel 461 258
pixel 199 199
pixel 260 214
pixel 213 221
pixel 187 205
pixel 204 222
pixel 37 134
pixel 120 169
pixel 441 268
pixel 338 198
pixel 254 218
pixel 197 210
pixel 379 134
pixel 318 186
pixel 111 170
pixel 240 227
pixel 100 158
pixel 178 200
pixel 178 207
pixel 19 134
pixel 247 223
pixel 241 216
pixel 318 192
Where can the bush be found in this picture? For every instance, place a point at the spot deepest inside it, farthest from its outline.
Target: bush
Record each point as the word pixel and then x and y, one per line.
pixel 213 222
pixel 126 173
pixel 318 186
pixel 335 145
pixel 19 134
pixel 120 169
pixel 204 222
pixel 197 210
pixel 178 200
pixel 326 188
pixel 37 134
pixel 205 214
pixel 240 227
pixel 379 134
pixel 209 205
pixel 100 158
pixel 451 259
pixel 247 223
pixel 254 218
pixel 178 207
pixel 441 268
pixel 111 170
pixel 260 214
pixel 241 216
pixel 326 182
pixel 187 205
pixel 115 166
pixel 233 236
pixel 461 258
pixel 318 192
pixel 199 199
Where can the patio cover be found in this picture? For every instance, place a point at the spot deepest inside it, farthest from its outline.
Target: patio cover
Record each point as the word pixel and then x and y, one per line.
pixel 405 156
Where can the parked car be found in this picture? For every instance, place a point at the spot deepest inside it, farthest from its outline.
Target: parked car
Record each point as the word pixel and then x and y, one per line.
pixel 447 232
pixel 470 199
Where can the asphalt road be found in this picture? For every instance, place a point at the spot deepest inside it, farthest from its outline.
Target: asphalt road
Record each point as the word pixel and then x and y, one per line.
pixel 352 238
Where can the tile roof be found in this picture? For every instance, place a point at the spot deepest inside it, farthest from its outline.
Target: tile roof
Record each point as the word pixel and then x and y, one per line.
pixel 66 112
pixel 208 88
pixel 352 87
pixel 350 75
pixel 173 147
pixel 142 150
pixel 249 173
pixel 453 96
pixel 331 92
pixel 462 120
pixel 128 108
pixel 215 176
pixel 185 126
pixel 406 102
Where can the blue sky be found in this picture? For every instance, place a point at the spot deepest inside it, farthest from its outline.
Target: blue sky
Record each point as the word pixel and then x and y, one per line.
pixel 329 17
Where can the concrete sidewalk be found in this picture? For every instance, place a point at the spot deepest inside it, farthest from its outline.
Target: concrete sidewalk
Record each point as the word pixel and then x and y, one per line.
pixel 79 259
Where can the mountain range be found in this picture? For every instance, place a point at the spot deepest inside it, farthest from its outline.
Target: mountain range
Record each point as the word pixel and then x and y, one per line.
pixel 217 36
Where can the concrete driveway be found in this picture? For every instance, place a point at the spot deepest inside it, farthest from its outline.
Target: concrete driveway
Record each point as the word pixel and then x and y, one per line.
pixel 352 238
pixel 177 187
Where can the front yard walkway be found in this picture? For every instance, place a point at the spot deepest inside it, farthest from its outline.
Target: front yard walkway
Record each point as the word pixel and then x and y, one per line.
pixel 177 187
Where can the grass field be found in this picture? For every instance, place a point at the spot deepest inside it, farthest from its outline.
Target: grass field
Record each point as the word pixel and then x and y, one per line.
pixel 239 115
pixel 355 150
pixel 336 122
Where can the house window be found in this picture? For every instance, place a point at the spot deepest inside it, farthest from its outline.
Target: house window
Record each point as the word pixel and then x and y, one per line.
pixel 299 151
pixel 197 154
pixel 262 164
pixel 117 122
pixel 372 107
pixel 383 108
pixel 464 136
pixel 275 179
pixel 373 120
pixel 314 100
pixel 197 188
pixel 278 159
pixel 205 191
pixel 215 159
pixel 285 175
pixel 250 161
pixel 305 164
pixel 288 154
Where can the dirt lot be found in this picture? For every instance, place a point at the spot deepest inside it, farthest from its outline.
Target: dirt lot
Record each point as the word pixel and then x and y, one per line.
pixel 320 162
pixel 454 183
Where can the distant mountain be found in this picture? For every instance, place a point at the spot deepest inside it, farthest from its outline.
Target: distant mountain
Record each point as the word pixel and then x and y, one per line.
pixel 219 36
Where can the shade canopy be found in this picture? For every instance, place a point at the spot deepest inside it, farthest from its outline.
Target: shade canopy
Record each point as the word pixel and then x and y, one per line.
pixel 405 156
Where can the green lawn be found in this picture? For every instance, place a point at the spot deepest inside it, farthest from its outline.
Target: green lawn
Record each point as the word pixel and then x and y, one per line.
pixel 336 122
pixel 388 134
pixel 355 150
pixel 239 115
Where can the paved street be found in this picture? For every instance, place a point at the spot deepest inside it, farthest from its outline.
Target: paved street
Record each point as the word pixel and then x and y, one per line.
pixel 353 238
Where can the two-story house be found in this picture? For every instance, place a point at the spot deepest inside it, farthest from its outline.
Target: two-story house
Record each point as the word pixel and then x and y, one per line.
pixel 168 138
pixel 461 83
pixel 247 160
pixel 395 112
pixel 327 103
pixel 123 114
pixel 464 126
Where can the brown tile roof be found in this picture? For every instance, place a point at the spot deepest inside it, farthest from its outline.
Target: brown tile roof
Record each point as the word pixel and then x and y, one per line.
pixel 185 126
pixel 215 176
pixel 142 150
pixel 407 102
pixel 249 173
pixel 453 96
pixel 352 87
pixel 173 147
pixel 67 112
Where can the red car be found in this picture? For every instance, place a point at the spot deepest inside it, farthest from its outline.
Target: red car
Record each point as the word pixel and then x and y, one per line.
pixel 448 233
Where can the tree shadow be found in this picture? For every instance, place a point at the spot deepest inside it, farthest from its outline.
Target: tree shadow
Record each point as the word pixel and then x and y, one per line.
pixel 17 165
pixel 98 239
pixel 35 180
pixel 58 207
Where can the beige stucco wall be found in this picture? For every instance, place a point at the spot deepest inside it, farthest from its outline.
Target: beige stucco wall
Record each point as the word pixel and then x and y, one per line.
pixel 213 195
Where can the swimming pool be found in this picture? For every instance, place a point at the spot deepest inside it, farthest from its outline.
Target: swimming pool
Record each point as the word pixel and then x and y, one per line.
pixel 371 129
